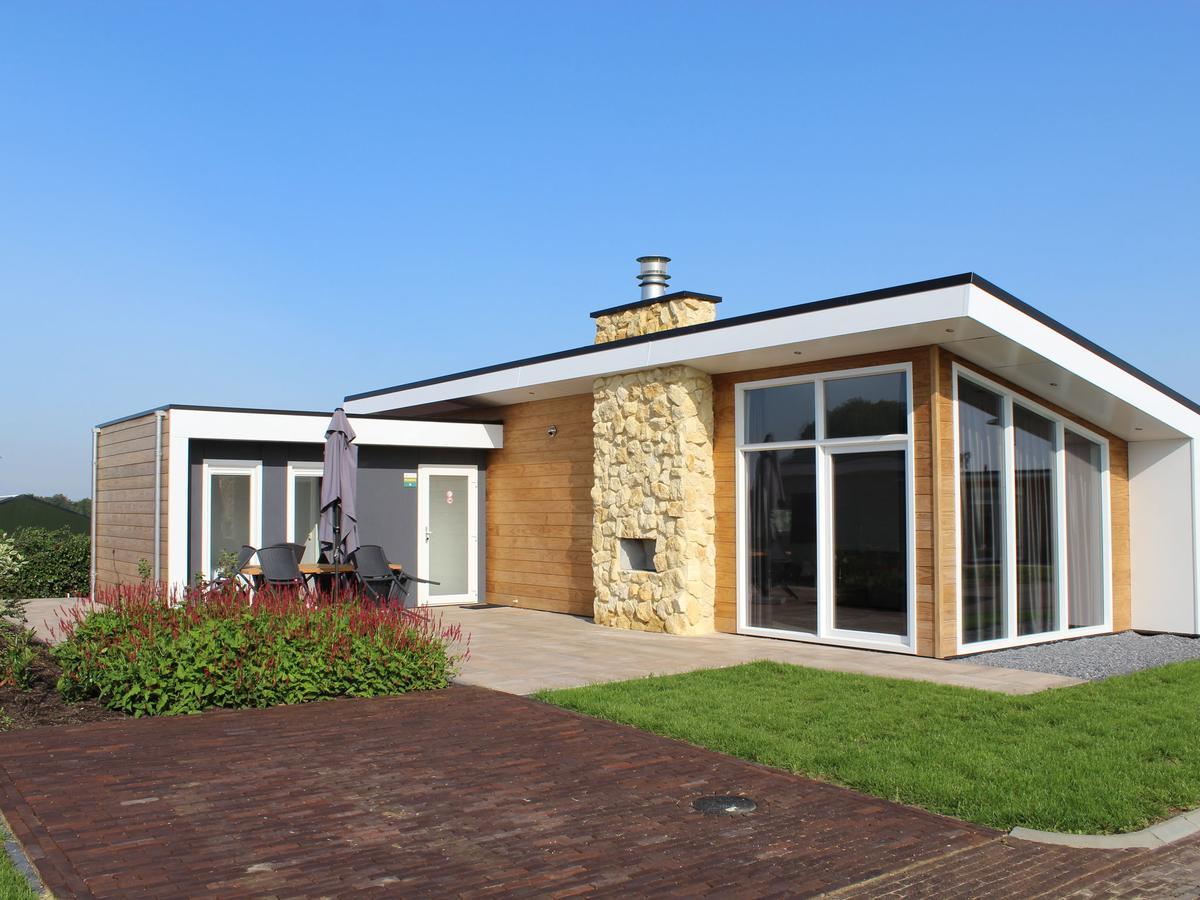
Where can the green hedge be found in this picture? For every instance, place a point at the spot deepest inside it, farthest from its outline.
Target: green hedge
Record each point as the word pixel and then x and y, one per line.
pixel 50 564
pixel 144 654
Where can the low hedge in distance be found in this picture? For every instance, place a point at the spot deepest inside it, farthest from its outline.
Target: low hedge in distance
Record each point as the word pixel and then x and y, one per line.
pixel 145 653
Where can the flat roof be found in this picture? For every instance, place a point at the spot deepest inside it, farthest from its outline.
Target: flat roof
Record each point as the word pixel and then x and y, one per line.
pixel 249 410
pixel 800 309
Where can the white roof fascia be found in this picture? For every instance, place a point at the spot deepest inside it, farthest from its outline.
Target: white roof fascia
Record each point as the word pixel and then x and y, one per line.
pixel 307 429
pixel 668 349
pixel 1018 326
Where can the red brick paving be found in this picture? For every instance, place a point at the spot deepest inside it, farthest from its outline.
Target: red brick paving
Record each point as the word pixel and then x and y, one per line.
pixel 467 791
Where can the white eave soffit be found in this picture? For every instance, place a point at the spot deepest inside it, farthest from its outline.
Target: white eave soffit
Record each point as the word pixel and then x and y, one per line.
pixel 964 319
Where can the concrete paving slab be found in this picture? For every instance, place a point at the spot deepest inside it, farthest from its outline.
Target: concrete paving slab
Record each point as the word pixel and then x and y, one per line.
pixel 521 651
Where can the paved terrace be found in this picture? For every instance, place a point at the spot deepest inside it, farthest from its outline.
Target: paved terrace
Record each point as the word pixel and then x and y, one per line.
pixel 521 651
pixel 478 793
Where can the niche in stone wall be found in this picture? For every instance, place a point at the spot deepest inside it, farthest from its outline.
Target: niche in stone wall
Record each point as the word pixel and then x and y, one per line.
pixel 637 554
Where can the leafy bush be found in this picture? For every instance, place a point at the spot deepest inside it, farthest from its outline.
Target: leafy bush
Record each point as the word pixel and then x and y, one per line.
pixel 11 563
pixel 145 654
pixel 51 564
pixel 16 656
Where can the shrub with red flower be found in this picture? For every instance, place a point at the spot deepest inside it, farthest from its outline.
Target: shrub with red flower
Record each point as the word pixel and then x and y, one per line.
pixel 146 652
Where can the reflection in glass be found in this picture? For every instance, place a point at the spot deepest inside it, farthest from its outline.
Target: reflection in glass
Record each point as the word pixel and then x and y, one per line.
pixel 1085 532
pixel 1037 594
pixel 782 489
pixel 305 513
pixel 870 589
pixel 229 517
pixel 981 493
pixel 866 405
pixel 783 413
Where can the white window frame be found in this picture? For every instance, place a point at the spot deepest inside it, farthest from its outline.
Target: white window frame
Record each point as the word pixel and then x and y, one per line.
pixel 824 448
pixel 305 470
pixel 210 467
pixel 1009 399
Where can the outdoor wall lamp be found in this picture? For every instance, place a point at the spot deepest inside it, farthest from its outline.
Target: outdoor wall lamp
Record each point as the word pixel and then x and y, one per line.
pixel 552 430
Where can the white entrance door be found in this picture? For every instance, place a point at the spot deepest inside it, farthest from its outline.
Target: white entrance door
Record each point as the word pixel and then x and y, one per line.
pixel 448 534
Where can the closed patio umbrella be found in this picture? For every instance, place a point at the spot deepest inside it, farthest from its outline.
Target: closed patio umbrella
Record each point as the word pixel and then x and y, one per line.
pixel 338 528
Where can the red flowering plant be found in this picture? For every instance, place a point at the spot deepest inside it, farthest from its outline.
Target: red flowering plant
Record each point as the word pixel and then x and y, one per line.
pixel 145 651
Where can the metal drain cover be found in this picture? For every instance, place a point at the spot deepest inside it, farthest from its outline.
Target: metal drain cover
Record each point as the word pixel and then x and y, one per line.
pixel 725 805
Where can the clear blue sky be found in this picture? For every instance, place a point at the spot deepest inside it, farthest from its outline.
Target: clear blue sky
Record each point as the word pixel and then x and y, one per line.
pixel 193 195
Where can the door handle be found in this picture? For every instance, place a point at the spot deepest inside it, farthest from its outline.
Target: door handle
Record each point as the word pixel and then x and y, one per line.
pixel 427 534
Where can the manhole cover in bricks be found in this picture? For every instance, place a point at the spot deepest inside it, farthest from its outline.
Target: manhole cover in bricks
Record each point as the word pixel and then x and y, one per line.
pixel 725 805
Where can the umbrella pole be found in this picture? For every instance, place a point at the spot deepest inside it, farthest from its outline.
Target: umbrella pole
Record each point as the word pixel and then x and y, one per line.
pixel 337 546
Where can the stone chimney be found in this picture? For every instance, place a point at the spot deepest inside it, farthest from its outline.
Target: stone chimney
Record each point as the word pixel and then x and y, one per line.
pixel 657 310
pixel 653 522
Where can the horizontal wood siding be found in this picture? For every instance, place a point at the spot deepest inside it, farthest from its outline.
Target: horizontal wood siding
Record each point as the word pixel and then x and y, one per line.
pixel 725 450
pixel 124 503
pixel 539 507
pixel 1118 458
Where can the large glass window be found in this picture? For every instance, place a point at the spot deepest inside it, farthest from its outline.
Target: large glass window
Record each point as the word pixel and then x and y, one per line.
pixel 981 526
pixel 866 405
pixel 783 413
pixel 827 515
pixel 782 489
pixel 1032 520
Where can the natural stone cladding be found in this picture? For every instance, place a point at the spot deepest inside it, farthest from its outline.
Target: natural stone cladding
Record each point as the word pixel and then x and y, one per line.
pixel 661 316
pixel 653 467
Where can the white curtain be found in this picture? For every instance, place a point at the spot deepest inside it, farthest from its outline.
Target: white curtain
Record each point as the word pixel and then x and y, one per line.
pixel 981 480
pixel 1037 601
pixel 1085 533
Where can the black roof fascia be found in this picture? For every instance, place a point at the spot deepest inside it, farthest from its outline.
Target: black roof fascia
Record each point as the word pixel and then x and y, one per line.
pixel 665 298
pixel 815 306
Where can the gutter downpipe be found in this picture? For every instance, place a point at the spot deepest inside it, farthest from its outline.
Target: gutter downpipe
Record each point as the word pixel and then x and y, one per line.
pixel 158 423
pixel 95 452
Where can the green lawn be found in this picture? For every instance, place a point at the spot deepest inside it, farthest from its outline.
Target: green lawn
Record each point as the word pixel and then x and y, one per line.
pixel 1105 757
pixel 13 885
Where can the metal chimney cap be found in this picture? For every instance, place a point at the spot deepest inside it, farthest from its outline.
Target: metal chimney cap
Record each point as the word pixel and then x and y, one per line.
pixel 653 276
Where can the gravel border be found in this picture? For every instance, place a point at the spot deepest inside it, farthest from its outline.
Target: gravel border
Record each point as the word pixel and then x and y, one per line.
pixel 1094 658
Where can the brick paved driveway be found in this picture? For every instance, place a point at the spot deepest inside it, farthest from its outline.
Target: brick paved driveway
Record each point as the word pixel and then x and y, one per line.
pixel 475 792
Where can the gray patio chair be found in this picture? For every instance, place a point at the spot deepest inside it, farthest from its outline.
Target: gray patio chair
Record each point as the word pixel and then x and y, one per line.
pixel 279 567
pixel 379 581
pixel 297 551
pixel 244 556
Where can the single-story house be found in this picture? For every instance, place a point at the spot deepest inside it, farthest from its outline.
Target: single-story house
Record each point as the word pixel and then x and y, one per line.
pixel 935 468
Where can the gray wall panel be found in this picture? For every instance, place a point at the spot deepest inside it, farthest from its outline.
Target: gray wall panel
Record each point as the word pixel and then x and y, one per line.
pixel 387 511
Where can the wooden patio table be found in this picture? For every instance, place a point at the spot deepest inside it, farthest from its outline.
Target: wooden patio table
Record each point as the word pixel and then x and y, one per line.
pixel 319 569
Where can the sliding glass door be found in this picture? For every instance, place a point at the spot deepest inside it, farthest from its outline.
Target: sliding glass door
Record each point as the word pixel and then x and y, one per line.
pixel 825 513
pixel 870 541
pixel 1032 520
